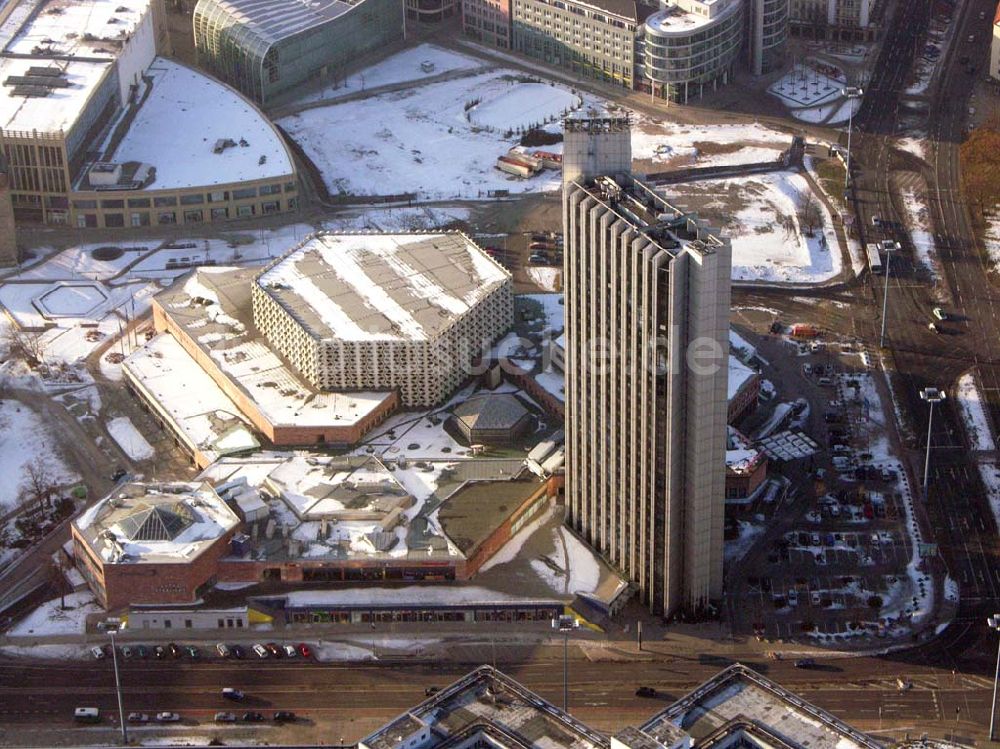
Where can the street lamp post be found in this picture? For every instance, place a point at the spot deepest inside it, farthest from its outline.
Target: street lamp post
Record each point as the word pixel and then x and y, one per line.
pixel 118 687
pixel 565 625
pixel 993 623
pixel 932 396
pixel 885 294
pixel 851 92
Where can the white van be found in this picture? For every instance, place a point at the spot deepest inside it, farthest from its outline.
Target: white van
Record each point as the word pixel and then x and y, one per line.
pixel 87 715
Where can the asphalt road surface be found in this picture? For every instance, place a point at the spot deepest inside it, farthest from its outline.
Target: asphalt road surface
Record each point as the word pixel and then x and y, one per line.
pixel 338 698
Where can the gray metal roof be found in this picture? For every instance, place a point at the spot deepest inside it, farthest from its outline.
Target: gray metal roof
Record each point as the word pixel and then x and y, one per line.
pixel 491 411
pixel 274 20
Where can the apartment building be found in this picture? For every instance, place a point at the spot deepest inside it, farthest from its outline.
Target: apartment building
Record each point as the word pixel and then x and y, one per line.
pixel 647 290
pixel 995 47
pixel 594 39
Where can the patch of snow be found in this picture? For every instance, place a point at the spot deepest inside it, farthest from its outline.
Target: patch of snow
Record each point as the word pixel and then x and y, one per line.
pixel 546 278
pixel 973 408
pixel 51 619
pixel 920 230
pixel 26 438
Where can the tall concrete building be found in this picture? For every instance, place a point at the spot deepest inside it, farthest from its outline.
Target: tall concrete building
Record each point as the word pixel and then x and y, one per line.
pixel 647 315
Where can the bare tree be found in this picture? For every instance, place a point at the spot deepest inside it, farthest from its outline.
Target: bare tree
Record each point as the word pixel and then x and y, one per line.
pixel 38 482
pixel 58 570
pixel 25 344
pixel 810 215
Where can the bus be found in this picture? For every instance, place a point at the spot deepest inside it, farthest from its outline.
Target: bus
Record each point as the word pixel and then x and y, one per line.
pixel 875 259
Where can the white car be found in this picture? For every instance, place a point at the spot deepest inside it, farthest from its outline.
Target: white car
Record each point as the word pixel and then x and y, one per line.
pixel 290 651
pixel 167 717
pixel 97 652
pixel 939 313
pixel 260 650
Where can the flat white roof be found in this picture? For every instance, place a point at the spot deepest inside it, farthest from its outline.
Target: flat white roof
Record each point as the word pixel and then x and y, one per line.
pixel 178 126
pixel 199 409
pixel 739 374
pixel 686 16
pixel 59 110
pixel 94 28
pixel 368 287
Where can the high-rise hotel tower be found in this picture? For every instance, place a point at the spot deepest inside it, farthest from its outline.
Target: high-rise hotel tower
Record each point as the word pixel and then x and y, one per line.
pixel 647 333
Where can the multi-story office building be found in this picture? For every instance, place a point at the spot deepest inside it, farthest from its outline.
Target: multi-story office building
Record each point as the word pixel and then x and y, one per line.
pixel 689 45
pixel 595 39
pixel 431 10
pixel 767 34
pixel 843 20
pixel 487 21
pixel 266 47
pixel 647 316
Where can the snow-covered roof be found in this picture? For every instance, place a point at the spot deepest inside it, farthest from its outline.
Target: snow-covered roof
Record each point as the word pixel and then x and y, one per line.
pixel 737 695
pixel 178 125
pixel 365 287
pixel 161 523
pixel 487 702
pixel 204 414
pixel 212 306
pixel 274 20
pixel 683 17
pixel 741 461
pixel 84 28
pixel 347 488
pixel 57 111
pixel 490 411
pixel 739 375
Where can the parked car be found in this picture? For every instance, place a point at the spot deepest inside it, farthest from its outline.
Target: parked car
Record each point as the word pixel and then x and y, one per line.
pixel 223 650
pixel 97 652
pixel 231 693
pixel 274 650
pixel 645 691
pixel 253 717
pixel 193 652
pixel 290 650
pixel 283 715
pixel 238 652
pixel 175 651
pixel 225 717
pixel 138 718
pixel 167 717
pixel 142 651
pixel 259 650
pixel 127 652
pixel 160 652
pixel 304 650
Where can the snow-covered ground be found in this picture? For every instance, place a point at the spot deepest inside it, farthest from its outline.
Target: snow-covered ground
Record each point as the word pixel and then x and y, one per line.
pixel 415 64
pixel 805 86
pixel 761 215
pixel 918 222
pixel 446 137
pixel 130 439
pixel 546 278
pixel 424 140
pixel 977 423
pixel 915 145
pixel 24 439
pixel 992 238
pixel 51 619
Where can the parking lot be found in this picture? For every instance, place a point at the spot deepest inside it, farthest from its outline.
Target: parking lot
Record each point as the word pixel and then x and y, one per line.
pixel 836 560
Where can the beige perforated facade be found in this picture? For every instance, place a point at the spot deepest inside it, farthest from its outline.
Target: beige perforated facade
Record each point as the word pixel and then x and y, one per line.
pixel 411 312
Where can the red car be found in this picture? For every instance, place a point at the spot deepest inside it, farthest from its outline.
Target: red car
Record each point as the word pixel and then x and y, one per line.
pixel 304 650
